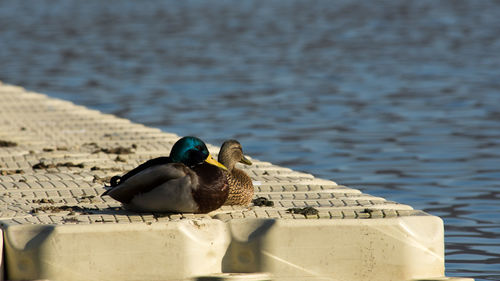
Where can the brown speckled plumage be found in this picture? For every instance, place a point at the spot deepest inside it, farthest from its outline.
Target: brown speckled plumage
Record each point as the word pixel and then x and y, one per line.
pixel 240 184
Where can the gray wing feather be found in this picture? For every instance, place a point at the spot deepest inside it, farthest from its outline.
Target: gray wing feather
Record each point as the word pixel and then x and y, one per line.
pixel 147 180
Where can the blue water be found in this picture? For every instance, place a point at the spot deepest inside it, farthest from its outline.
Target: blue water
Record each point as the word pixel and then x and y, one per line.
pixel 397 98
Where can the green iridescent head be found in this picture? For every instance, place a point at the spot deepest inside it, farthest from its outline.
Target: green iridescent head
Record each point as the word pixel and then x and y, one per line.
pixel 192 151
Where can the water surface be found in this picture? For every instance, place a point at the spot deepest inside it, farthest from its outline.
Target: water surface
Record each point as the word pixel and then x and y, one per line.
pixel 398 99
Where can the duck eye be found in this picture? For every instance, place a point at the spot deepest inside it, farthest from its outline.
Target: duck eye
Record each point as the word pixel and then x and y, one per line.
pixel 199 147
pixel 194 157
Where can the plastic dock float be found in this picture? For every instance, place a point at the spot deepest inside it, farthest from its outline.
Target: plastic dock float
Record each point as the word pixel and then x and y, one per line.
pixel 56 156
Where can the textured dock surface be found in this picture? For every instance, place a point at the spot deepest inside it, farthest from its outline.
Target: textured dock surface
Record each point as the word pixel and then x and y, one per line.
pixel 56 157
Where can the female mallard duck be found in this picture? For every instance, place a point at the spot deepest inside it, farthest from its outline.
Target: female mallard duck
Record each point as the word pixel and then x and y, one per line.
pixel 189 180
pixel 240 184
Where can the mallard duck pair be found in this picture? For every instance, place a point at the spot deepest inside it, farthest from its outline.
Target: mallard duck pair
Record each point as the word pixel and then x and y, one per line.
pixel 189 180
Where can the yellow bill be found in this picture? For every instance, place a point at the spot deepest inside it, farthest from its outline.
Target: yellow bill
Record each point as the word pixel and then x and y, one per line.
pixel 211 160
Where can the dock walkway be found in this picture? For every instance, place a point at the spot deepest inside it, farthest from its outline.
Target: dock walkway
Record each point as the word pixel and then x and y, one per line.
pixel 55 158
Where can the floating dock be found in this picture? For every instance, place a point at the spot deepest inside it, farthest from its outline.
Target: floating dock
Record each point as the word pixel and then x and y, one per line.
pixel 55 158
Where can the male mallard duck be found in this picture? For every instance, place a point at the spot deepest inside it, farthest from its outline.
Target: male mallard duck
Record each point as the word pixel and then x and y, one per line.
pixel 240 184
pixel 189 180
